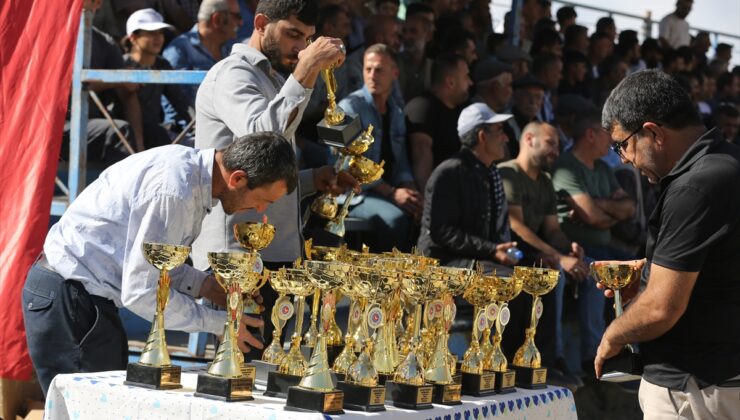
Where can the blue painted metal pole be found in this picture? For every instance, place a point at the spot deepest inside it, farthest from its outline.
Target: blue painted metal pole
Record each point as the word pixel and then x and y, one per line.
pixel 182 77
pixel 516 21
pixel 78 116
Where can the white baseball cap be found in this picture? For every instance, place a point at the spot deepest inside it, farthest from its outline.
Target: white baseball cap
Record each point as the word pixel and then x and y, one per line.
pixel 147 20
pixel 478 113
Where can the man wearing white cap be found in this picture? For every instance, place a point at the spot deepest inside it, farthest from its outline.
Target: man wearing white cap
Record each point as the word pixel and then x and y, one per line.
pixel 465 213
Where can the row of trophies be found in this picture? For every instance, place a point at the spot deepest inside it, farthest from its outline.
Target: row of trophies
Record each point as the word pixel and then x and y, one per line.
pixel 395 343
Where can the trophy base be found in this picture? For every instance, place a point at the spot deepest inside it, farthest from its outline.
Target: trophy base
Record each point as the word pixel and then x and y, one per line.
pixel 383 378
pixel 446 394
pixel 531 378
pixel 505 382
pixel 339 135
pixel 249 371
pixel 262 369
pixel 340 376
pixel 625 362
pixel 331 352
pixel 309 400
pixel 479 384
pixel 363 398
pixel 152 377
pixel 224 389
pixel 279 383
pixel 414 397
pixel 457 378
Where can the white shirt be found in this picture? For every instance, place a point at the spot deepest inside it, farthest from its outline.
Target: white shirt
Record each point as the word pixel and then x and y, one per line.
pixel 674 30
pixel 160 195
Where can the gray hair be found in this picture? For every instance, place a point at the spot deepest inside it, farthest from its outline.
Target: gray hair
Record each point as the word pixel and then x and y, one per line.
pixel 266 158
pixel 209 7
pixel 470 139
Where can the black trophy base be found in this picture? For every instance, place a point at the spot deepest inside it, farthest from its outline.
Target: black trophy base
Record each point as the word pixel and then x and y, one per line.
pixel 308 400
pixel 447 394
pixel 531 378
pixel 339 135
pixel 224 389
pixel 262 369
pixel 505 382
pixel 340 376
pixel 624 362
pixel 363 398
pixel 279 383
pixel 457 378
pixel 166 377
pixel 413 397
pixel 331 352
pixel 479 384
pixel 383 378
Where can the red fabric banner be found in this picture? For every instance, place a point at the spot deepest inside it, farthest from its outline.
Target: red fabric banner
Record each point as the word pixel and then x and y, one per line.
pixel 36 57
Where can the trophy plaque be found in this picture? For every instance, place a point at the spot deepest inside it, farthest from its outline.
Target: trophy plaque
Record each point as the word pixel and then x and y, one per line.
pixel 154 369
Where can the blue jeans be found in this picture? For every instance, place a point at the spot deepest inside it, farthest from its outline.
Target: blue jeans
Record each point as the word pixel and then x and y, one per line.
pixel 392 225
pixel 67 329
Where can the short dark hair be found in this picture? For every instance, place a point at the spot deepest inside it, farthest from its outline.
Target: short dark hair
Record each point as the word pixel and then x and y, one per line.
pixel 382 49
pixel 602 22
pixel 722 46
pixel 649 95
pixel 565 13
pixel 443 65
pixel 328 14
pixel 597 36
pixel 724 79
pixel 544 38
pixel 417 8
pixel 727 109
pixel 266 157
pixel 585 119
pixel 470 139
pixel 307 11
pixel 543 62
pixel 572 33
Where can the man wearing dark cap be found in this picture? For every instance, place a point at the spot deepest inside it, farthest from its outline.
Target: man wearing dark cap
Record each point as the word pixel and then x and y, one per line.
pixel 493 82
pixel 529 93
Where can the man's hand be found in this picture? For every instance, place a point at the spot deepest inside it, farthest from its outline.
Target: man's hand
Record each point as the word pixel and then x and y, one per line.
pixel 577 250
pixel 607 349
pixel 500 254
pixel 629 292
pixel 211 290
pixel 327 181
pixel 574 267
pixel 409 200
pixel 244 338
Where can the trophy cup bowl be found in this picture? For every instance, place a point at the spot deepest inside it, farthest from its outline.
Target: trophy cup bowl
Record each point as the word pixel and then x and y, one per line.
pixel 325 205
pixel 627 365
pixel 154 368
pixel 475 381
pixel 527 360
pixel 225 379
pixel 254 235
pixel 365 171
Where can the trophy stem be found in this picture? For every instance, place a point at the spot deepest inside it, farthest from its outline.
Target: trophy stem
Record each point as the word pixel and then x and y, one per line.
pixel 227 363
pixel 310 336
pixel 535 319
pixel 300 304
pixel 417 322
pixel 155 351
pixel 163 291
pixel 618 302
pixel 336 226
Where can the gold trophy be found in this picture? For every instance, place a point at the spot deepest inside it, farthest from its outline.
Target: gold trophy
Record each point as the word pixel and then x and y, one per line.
pixel 365 171
pixel 504 290
pixel 316 390
pixel 627 365
pixel 154 368
pixel 475 380
pixel 282 311
pixel 226 379
pixel 347 357
pixel 361 388
pixel 293 366
pixel 527 362
pixel 254 236
pixel 408 388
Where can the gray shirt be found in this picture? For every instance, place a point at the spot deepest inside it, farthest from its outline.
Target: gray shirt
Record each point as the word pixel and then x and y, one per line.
pixel 240 95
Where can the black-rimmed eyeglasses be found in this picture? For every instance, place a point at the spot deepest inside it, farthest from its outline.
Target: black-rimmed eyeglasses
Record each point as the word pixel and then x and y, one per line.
pixel 619 146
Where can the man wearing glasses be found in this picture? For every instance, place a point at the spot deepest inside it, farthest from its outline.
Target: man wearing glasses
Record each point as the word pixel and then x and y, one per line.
pixel 685 316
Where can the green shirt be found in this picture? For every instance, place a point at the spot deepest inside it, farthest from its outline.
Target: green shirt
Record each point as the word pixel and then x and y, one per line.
pixel 536 197
pixel 571 177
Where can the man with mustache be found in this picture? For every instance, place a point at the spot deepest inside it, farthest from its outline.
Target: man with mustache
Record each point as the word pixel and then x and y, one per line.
pixel 245 93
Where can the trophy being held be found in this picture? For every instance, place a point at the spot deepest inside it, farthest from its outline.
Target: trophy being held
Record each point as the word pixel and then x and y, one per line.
pixel 627 365
pixel 365 171
pixel 154 369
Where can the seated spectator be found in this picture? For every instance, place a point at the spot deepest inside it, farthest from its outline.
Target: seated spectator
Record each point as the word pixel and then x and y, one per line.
pixel 651 53
pixel 575 69
pixel 518 59
pixel 387 7
pixel 431 118
pixel 727 119
pixel 529 94
pixel 566 115
pixel 628 49
pixel 415 66
pixel 458 41
pixel 723 56
pixel 728 88
pixel 607 26
pixel 591 201
pixel 576 39
pixel 547 41
pixel 493 84
pixel 566 16
pixel 600 47
pixel 548 68
pixel 393 203
pixel 145 38
pixel 378 30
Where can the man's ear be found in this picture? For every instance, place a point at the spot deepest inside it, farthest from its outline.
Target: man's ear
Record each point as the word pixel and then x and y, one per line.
pixel 658 131
pixel 237 179
pixel 260 23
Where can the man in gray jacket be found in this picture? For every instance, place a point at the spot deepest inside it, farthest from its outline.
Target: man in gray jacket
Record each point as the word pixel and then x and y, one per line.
pixel 245 93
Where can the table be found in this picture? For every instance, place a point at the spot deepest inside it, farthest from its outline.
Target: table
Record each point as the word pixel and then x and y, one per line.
pixel 103 395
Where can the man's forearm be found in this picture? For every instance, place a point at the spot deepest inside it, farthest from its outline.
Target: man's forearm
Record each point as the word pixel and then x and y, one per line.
pixel 642 321
pixel 620 209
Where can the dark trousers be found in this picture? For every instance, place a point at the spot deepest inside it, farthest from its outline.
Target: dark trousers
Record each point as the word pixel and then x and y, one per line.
pixel 67 329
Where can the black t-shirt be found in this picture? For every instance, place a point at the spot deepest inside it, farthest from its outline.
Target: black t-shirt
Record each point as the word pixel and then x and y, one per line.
pixel 386 149
pixel 104 54
pixel 696 227
pixel 427 114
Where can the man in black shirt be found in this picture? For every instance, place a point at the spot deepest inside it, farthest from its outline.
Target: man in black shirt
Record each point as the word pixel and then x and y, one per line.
pixel 685 318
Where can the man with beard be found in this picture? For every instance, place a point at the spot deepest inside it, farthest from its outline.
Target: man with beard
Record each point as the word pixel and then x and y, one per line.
pixel 92 263
pixel 415 67
pixel 674 29
pixel 245 93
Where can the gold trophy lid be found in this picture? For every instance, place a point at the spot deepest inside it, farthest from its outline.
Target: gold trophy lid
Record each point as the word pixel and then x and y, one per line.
pixel 254 235
pixel 614 276
pixel 165 256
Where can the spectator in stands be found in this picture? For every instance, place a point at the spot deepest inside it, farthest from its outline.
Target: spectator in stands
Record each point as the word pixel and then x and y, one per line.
pixel 548 69
pixel 416 67
pixel 576 39
pixel 600 47
pixel 480 13
pixel 547 41
pixel 519 60
pixel 207 42
pixel 651 53
pixel 673 28
pixel 727 120
pixel 607 26
pixel 378 30
pixel 591 201
pixel 700 45
pixel 723 56
pixel 529 94
pixel 431 117
pixel 575 69
pixel 611 71
pixel 728 88
pixel 465 212
pixel 460 42
pixel 566 18
pixel 569 108
pixel 387 7
pixel 493 84
pixel 393 203
pixel 628 49
pixel 145 38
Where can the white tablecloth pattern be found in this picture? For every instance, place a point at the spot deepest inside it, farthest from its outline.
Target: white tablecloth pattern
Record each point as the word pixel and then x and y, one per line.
pixel 103 395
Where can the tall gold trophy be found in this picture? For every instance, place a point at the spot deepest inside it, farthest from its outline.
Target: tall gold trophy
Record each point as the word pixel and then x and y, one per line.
pixel 627 365
pixel 226 379
pixel 293 366
pixel 527 361
pixel 154 368
pixel 365 171
pixel 316 390
pixel 505 289
pixel 254 236
pixel 281 312
pixel 475 380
